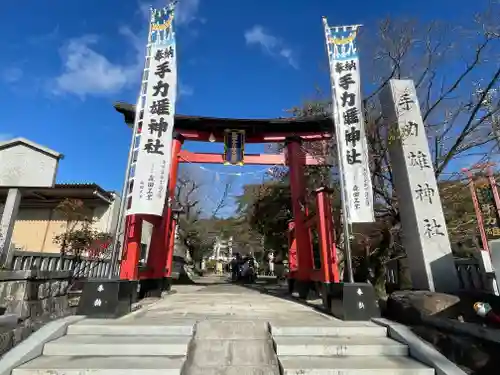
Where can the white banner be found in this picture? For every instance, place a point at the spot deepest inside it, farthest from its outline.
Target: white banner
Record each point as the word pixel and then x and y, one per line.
pixel 156 125
pixel 349 122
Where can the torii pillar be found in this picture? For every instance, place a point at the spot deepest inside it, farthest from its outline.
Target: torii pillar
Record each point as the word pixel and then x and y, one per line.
pixel 296 160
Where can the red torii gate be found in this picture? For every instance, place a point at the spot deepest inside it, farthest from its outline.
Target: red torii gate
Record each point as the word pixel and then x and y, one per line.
pixel 156 276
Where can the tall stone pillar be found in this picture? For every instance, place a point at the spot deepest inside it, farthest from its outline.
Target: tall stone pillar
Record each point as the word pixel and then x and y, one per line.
pixel 425 236
pixel 9 216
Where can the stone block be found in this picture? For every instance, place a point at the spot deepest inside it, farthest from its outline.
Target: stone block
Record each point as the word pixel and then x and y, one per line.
pixel 11 336
pixel 59 305
pixel 26 309
pixel 63 287
pixel 235 370
pixel 55 287
pixel 9 275
pixel 354 301
pixel 105 298
pixel 34 298
pixel 20 308
pixel 21 332
pixel 31 291
pixel 43 290
pixel 214 353
pixel 8 321
pixel 22 292
pixel 12 290
pixel 213 329
pixel 6 341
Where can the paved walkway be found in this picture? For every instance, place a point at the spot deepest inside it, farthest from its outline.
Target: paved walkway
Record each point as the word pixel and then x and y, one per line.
pixel 215 299
pixel 217 328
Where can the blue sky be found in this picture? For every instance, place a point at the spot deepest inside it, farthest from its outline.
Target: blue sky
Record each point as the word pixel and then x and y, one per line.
pixel 65 62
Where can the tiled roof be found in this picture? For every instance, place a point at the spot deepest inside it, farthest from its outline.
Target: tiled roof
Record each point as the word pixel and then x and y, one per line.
pixel 88 185
pixel 83 186
pixel 290 124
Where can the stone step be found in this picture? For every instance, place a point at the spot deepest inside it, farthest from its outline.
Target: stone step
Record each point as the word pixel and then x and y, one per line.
pixel 137 329
pixel 232 330
pixel 93 365
pixel 233 370
pixel 107 345
pixel 344 329
pixel 220 353
pixel 353 366
pixel 338 346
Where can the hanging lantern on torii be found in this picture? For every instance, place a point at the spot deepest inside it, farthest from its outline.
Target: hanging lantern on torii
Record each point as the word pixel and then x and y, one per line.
pixel 234 147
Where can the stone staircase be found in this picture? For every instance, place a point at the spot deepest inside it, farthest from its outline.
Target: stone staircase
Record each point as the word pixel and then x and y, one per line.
pixel 223 347
pixel 232 347
pixel 348 348
pixel 106 347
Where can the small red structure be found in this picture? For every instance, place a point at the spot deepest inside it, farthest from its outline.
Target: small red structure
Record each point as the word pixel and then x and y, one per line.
pixel 290 131
pixel 488 179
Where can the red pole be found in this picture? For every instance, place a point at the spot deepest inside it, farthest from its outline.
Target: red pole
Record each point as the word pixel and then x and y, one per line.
pixel 158 251
pixel 479 215
pixel 323 235
pixel 292 247
pixel 168 249
pixel 171 248
pixel 296 158
pixel 333 260
pixel 494 189
pixel 129 269
pixel 327 238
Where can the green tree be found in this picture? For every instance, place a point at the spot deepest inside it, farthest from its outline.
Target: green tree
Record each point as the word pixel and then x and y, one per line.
pixel 80 238
pixel 267 210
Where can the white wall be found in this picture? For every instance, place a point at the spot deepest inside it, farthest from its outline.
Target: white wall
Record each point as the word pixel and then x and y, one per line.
pixel 107 216
pixel 23 166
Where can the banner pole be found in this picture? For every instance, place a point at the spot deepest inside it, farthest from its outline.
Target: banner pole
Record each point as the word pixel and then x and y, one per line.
pixel 120 222
pixel 345 214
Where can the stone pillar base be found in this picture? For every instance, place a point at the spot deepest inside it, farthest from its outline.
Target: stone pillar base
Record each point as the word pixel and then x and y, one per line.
pixel 105 298
pixel 353 301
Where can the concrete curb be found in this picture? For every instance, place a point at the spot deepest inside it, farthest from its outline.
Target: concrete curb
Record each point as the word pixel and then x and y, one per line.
pixel 418 348
pixel 32 347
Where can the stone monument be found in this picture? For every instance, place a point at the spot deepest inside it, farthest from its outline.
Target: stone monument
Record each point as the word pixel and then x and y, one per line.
pixel 425 236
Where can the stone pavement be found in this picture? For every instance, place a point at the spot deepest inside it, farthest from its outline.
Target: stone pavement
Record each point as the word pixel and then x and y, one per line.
pixel 216 328
pixel 218 300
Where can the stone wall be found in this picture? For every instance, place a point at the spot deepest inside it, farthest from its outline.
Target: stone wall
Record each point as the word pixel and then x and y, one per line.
pixel 31 299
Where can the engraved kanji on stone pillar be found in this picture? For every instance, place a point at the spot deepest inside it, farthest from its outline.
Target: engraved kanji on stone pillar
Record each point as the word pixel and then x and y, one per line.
pixel 425 236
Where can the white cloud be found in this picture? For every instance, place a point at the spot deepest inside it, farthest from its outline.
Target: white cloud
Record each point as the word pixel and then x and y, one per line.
pixel 185 90
pixel 270 44
pixel 88 72
pixel 11 75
